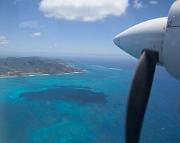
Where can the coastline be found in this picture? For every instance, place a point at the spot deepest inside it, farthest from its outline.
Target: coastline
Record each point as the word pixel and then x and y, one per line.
pixel 38 74
pixel 12 67
pixel 109 68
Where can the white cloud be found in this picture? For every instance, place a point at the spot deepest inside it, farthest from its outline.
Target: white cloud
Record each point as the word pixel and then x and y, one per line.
pixel 3 41
pixel 28 24
pixel 138 4
pixel 153 2
pixel 83 10
pixel 36 34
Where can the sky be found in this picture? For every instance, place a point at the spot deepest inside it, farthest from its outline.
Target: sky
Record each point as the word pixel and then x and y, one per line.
pixel 71 27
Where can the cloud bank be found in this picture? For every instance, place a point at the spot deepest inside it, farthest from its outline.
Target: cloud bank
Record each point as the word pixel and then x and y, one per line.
pixel 3 41
pixel 36 34
pixel 83 10
pixel 153 2
pixel 138 4
pixel 28 24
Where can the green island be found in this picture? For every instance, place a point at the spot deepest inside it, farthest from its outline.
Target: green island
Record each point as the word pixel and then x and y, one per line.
pixel 21 66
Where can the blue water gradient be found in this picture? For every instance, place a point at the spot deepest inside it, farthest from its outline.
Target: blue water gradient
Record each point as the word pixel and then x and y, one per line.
pixel 86 107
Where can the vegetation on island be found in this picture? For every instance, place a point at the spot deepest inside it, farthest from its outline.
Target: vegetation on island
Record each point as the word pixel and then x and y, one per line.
pixel 19 66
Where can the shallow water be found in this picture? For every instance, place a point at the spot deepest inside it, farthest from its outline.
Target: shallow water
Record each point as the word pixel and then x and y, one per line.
pixel 84 107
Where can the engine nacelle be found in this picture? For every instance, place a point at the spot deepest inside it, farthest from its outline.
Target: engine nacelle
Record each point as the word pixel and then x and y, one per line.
pixel 146 35
pixel 161 35
pixel 171 48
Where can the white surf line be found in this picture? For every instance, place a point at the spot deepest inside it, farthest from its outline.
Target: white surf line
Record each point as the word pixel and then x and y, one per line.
pixel 116 69
pixel 7 76
pixel 70 73
pixel 40 74
pixel 107 67
pixel 25 75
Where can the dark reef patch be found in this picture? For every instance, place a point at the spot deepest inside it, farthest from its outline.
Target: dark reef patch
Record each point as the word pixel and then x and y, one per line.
pixel 70 93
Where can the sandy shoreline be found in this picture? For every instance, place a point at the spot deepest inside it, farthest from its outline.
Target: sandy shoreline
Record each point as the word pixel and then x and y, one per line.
pixel 37 74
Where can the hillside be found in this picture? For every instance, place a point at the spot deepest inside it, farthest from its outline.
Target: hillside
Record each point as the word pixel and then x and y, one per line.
pixel 14 66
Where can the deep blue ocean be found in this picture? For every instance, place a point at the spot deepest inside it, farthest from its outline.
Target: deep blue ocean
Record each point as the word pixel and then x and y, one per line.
pixel 87 107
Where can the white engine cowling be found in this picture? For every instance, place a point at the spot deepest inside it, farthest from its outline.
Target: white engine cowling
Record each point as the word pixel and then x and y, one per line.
pixel 171 48
pixel 161 35
pixel 146 35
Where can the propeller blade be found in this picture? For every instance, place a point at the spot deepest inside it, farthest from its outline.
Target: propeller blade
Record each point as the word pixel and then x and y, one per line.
pixel 139 95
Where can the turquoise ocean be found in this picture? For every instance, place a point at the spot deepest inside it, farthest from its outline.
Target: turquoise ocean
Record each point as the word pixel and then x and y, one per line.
pixel 86 107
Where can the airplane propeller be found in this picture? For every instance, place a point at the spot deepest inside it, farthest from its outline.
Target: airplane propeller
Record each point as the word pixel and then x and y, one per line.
pixel 155 42
pixel 139 94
